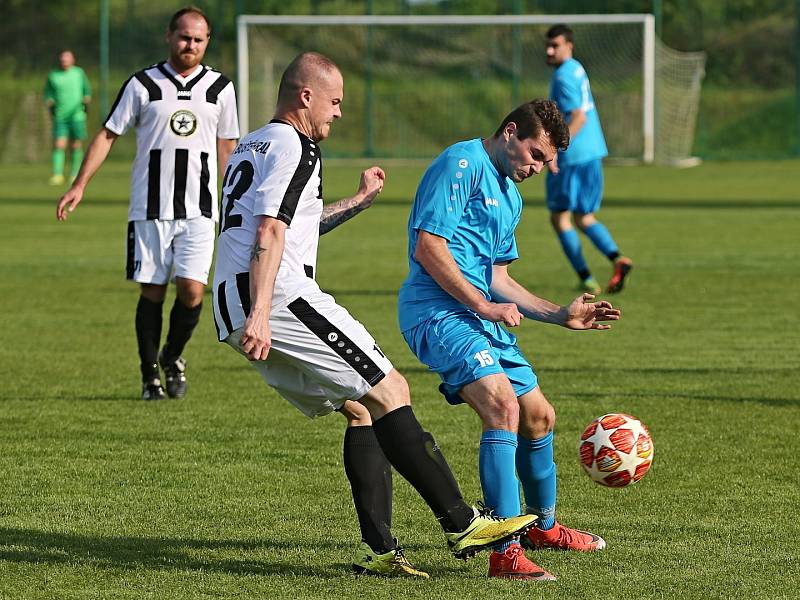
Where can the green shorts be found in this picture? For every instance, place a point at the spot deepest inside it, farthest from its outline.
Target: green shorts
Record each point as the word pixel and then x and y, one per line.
pixel 72 129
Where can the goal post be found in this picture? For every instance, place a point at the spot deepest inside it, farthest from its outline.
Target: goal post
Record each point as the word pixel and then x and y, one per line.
pixel 414 84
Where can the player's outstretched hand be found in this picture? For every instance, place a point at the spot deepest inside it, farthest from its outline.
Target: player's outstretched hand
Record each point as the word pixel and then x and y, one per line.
pixel 582 313
pixel 256 337
pixel 68 202
pixel 506 313
pixel 371 184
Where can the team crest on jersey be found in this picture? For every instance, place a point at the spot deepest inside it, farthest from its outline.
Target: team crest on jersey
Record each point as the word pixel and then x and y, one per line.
pixel 183 122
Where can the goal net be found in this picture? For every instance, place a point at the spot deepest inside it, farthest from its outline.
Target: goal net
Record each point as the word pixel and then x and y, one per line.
pixel 415 84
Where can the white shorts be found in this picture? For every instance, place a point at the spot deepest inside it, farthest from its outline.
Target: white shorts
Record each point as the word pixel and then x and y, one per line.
pixel 320 355
pixel 159 251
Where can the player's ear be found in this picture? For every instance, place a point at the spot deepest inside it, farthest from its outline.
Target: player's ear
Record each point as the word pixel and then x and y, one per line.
pixel 510 130
pixel 305 96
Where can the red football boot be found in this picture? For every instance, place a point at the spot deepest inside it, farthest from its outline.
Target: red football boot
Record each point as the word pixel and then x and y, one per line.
pixel 513 564
pixel 622 267
pixel 563 538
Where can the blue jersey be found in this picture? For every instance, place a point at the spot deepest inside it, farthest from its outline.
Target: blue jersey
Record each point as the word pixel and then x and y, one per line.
pixel 464 199
pixel 570 89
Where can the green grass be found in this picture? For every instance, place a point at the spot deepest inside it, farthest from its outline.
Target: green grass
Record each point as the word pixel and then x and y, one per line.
pixel 233 494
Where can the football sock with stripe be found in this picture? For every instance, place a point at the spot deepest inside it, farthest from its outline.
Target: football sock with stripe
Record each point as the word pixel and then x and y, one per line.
pixel 602 239
pixel 498 474
pixel 58 157
pixel 148 335
pixel 537 471
pixel 571 244
pixel 370 476
pixel 77 158
pixel 416 456
pixel 182 321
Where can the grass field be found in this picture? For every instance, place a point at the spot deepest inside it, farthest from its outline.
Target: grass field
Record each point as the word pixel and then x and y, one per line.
pixel 231 493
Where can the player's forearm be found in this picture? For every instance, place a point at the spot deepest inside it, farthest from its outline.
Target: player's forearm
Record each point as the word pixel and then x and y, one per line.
pixel 435 257
pixel 96 154
pixel 265 260
pixel 336 213
pixel 506 289
pixel 576 122
pixel 224 149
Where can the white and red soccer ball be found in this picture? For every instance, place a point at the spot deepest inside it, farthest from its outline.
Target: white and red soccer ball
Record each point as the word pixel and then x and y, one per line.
pixel 616 450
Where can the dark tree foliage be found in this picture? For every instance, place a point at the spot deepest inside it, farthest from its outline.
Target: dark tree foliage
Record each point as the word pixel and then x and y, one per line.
pixel 749 42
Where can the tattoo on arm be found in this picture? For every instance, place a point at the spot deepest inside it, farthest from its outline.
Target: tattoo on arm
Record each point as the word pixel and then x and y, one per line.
pixel 256 251
pixel 337 213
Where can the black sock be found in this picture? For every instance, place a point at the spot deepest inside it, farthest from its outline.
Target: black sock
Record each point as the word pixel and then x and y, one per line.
pixel 182 321
pixel 414 453
pixel 148 335
pixel 370 476
pixel 584 274
pixel 612 256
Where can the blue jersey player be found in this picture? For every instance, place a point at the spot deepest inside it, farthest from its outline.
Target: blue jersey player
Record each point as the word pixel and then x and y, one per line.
pixel 575 180
pixel 456 299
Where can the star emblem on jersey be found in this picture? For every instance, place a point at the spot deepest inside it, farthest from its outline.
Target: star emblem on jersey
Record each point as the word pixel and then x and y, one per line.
pixel 183 123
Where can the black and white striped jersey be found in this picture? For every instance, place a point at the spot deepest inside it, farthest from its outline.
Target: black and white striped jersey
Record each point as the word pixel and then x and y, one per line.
pixel 177 120
pixel 274 171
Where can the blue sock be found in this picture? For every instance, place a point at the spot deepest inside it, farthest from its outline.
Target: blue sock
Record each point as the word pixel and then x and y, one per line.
pixel 602 239
pixel 571 244
pixel 498 477
pixel 537 471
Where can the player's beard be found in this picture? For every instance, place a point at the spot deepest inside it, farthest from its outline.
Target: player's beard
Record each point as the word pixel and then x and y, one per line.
pixel 187 60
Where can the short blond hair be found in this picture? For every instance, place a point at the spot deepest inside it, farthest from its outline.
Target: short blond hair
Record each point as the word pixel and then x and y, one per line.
pixel 303 71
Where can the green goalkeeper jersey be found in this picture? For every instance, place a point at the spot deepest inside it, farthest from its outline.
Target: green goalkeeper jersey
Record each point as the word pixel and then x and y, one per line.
pixel 67 89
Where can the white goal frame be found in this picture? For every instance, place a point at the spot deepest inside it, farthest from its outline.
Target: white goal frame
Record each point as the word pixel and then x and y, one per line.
pixel 646 20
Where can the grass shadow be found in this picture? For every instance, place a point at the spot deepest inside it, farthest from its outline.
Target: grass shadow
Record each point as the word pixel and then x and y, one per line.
pixel 660 395
pixel 128 552
pixel 40 547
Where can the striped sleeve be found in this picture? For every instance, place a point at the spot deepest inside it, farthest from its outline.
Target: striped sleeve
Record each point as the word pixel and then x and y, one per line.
pixel 125 109
pixel 285 172
pixel 228 125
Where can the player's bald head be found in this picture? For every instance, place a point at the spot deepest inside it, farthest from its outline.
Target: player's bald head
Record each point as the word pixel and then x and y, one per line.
pixel 193 13
pixel 307 70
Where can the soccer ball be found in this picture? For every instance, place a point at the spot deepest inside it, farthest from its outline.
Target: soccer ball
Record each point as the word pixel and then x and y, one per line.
pixel 616 450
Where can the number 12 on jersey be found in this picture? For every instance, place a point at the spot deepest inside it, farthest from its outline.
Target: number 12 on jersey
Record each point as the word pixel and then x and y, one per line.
pixel 242 179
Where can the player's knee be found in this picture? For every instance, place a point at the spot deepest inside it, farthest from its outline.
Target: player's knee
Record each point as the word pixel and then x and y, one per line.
pixel 584 221
pixel 550 418
pixel 494 400
pixel 561 221
pixel 537 420
pixel 500 410
pixel 153 292
pixel 397 386
pixel 190 292
pixel 389 394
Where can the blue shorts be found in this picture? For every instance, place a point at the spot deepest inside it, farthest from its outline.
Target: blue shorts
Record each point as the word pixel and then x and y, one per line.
pixel 462 348
pixel 576 188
